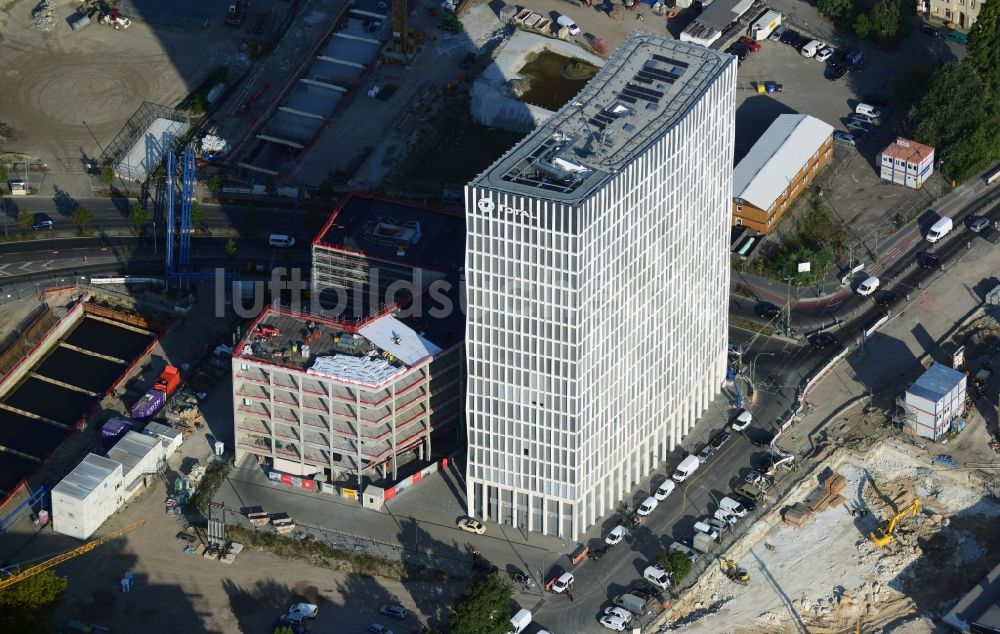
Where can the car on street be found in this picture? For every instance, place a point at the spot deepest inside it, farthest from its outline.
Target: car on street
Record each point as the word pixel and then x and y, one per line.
pixel 656 576
pixel 741 421
pixel 978 223
pixel 764 438
pixel 564 581
pixel 42 221
pixel 393 610
pixel 859 126
pixel 790 37
pixel 618 613
pixel 844 138
pixel 470 525
pixel 301 611
pixel 869 286
pixel 928 261
pixel 822 340
pixel 825 54
pixel 725 516
pixel 664 490
pixel 597 553
pixel 767 310
pixel 647 507
pixel 706 452
pixel 749 43
pixel 521 578
pixel 732 506
pixel 719 440
pixel 678 547
pixel 613 623
pixel 616 535
pixel 378 628
pixel 703 526
pixel 885 300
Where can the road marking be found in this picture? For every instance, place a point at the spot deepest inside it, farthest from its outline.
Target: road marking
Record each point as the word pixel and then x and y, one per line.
pixel 701 473
pixel 26 264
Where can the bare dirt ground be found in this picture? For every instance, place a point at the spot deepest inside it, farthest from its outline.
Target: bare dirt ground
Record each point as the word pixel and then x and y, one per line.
pixel 53 81
pixel 829 577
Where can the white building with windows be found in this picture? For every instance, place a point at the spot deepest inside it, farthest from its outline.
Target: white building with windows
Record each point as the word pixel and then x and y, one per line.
pixel 597 275
pixel 906 162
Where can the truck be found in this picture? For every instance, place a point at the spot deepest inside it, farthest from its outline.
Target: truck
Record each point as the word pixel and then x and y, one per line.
pixel 169 381
pixel 762 28
pixel 632 603
pixel 702 542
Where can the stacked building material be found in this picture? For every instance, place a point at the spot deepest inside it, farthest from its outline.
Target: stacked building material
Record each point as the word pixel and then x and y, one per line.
pixel 826 497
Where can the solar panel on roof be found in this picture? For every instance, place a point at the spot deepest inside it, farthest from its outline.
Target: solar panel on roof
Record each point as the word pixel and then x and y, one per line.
pixel 646 79
pixel 627 98
pixel 647 92
pixel 667 60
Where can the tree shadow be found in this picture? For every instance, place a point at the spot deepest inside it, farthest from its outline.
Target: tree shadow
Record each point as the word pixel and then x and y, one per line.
pixel 65 204
pixel 250 606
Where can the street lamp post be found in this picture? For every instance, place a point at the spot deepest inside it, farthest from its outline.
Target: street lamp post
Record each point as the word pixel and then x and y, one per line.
pixel 753 367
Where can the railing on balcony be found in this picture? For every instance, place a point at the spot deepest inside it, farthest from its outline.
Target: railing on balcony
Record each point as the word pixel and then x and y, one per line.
pixel 286 450
pixel 246 375
pixel 314 405
pixel 285 399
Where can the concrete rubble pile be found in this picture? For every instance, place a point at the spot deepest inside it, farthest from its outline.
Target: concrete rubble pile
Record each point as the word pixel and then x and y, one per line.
pixel 41 16
pixel 826 497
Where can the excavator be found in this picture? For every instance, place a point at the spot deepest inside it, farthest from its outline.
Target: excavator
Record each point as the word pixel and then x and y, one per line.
pixel 734 572
pixel 882 537
pixel 58 559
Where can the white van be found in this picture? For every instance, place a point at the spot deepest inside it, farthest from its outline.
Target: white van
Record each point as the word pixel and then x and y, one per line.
pixel 281 240
pixel 732 506
pixel 687 467
pixel 520 621
pixel 940 229
pixel 566 21
pixel 868 111
pixel 813 47
pixel 656 575
pixel 647 507
pixel 704 527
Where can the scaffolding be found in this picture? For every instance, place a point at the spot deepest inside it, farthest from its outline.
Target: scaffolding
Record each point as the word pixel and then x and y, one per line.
pixel 136 126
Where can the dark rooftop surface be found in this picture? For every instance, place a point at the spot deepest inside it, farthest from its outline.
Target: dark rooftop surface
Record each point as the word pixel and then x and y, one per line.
pixel 28 435
pixel 100 336
pixel 397 232
pixel 82 370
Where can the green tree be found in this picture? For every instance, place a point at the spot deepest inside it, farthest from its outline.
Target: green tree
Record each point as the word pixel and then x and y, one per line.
pixel 3 175
pixel 231 249
pixel 27 606
pixel 198 216
pixel 24 220
pixel 126 255
pixel 983 47
pixel 107 175
pixel 674 562
pixel 139 217
pixel 886 17
pixel 215 184
pixel 483 608
pixel 835 9
pixel 82 218
pixel 862 26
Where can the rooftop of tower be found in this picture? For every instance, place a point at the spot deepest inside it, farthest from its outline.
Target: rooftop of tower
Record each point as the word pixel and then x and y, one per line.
pixel 644 89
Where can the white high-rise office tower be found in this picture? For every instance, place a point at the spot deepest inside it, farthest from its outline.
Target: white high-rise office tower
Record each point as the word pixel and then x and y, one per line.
pixel 598 277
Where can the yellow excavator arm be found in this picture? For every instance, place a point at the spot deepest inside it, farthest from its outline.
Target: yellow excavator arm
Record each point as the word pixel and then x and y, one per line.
pixel 884 536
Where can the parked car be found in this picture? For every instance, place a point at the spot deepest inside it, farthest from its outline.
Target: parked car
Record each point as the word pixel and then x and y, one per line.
pixel 869 286
pixel 811 48
pixel 616 535
pixel 677 547
pixel 597 553
pixel 885 300
pixel 763 439
pixel 835 70
pixel 717 524
pixel 825 54
pixel 927 29
pixel 790 37
pixel 470 525
pixel 378 628
pixel 656 576
pixel 618 613
pixel 845 138
pixel 741 421
pixel 613 623
pixel 758 478
pixel 739 51
pixel 928 261
pixel 42 221
pixel 767 310
pixel 978 223
pixel 664 490
pixel 719 440
pixel 566 21
pixel 521 578
pixel 776 34
pixel 726 516
pixel 647 507
pixel 822 340
pixel 859 126
pixel 393 610
pixel 564 581
pixel 732 506
pixel 706 452
pixel 735 350
pixel 749 43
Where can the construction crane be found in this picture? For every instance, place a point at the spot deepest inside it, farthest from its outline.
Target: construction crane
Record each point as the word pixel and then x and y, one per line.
pixel 58 559
pixel 734 572
pixel 882 537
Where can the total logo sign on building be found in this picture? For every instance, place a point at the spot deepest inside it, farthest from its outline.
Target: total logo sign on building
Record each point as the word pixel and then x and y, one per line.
pixel 488 207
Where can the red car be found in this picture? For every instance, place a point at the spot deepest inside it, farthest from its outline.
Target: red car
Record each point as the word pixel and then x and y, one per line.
pixel 749 43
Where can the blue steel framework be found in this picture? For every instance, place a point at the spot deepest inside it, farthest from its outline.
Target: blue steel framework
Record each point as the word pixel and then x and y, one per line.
pixel 187 197
pixel 171 171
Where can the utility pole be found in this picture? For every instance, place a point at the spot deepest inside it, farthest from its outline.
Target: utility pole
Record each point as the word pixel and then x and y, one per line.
pixel 788 304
